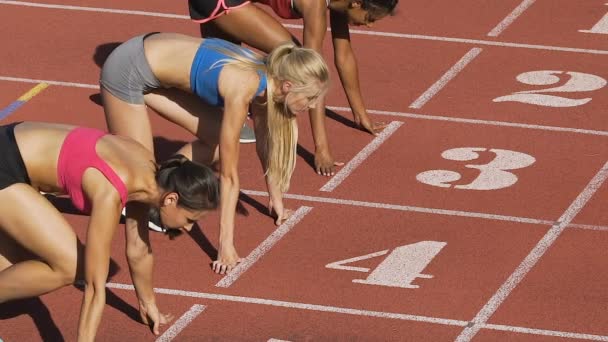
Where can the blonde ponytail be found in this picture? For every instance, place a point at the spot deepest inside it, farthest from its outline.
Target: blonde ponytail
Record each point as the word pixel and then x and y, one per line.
pixel 307 72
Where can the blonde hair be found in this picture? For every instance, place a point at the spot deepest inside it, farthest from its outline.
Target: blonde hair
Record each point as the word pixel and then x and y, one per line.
pixel 308 73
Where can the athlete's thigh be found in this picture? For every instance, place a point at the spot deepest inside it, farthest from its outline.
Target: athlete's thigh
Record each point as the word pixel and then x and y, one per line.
pixel 188 111
pixel 252 26
pixel 126 119
pixel 36 225
pixel 211 30
pixel 12 252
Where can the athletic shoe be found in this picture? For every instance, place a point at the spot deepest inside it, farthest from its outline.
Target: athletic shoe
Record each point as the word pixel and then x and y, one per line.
pixel 152 224
pixel 247 135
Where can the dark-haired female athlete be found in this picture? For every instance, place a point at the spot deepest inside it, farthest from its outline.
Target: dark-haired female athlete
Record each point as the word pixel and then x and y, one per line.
pixel 241 22
pixel 101 173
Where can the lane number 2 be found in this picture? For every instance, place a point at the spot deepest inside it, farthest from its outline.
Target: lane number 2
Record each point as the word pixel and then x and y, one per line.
pixel 399 269
pixel 576 82
pixel 492 175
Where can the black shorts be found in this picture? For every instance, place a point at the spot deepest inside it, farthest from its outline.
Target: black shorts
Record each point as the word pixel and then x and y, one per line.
pixel 12 167
pixel 203 9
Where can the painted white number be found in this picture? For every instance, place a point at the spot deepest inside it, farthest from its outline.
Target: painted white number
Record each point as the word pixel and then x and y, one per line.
pixel 399 268
pixel 577 82
pixel 600 28
pixel 492 175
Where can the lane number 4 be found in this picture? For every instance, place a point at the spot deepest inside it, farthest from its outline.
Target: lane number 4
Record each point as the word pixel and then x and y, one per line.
pixel 399 269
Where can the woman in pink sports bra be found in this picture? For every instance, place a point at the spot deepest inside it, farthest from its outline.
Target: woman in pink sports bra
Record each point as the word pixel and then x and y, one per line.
pixel 39 250
pixel 241 22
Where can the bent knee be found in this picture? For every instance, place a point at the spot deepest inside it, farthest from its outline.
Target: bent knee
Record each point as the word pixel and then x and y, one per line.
pixel 66 270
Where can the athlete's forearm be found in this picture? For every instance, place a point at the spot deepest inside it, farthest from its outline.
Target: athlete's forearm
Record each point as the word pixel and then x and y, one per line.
pixel 348 72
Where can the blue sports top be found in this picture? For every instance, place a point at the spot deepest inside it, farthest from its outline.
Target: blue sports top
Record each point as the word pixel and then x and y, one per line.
pixel 205 73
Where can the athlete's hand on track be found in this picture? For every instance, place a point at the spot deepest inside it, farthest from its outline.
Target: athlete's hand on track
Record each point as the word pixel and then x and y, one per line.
pixel 373 127
pixel 324 163
pixel 152 317
pixel 227 259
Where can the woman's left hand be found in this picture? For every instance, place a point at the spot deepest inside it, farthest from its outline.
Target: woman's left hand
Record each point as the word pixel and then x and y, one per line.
pixel 152 317
pixel 279 213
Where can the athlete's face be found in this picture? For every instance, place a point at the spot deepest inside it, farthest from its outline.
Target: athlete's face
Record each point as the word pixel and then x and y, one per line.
pixel 176 219
pixel 357 16
pixel 299 102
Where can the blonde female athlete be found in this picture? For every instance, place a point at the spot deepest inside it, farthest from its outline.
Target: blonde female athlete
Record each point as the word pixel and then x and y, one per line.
pixel 242 22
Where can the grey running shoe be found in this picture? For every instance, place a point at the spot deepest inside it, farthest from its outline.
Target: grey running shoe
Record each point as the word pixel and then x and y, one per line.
pixel 247 135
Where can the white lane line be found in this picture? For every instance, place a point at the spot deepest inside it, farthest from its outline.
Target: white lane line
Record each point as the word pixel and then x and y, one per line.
pixel 405 208
pixel 264 247
pixel 295 305
pixel 361 156
pixel 447 77
pixel 425 210
pixel 478 122
pixel 509 19
pixel 58 83
pixel 181 323
pixel 589 227
pixel 534 256
pixel 357 312
pixel 371 111
pixel 94 9
pixel 479 42
pixel 352 31
pixel 563 334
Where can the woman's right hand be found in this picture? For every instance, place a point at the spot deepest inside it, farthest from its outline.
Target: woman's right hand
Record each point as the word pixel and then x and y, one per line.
pixel 227 259
pixel 151 316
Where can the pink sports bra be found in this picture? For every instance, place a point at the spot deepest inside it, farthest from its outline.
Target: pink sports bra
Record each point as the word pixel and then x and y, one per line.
pixel 78 153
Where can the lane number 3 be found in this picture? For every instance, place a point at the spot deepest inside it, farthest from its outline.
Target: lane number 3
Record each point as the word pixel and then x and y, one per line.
pixel 492 175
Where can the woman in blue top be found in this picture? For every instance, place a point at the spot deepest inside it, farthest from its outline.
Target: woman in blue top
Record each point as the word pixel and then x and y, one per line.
pixel 164 70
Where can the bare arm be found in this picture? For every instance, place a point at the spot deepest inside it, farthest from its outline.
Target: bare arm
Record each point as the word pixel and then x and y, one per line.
pixel 275 203
pixel 104 219
pixel 141 262
pixel 346 64
pixel 237 88
pixel 314 13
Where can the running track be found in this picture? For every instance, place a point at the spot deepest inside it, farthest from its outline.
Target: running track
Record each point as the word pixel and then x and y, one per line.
pixel 478 214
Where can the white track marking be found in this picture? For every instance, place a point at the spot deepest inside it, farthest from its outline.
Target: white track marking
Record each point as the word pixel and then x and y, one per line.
pixel 58 83
pixel 295 305
pixel 264 247
pixel 300 27
pixel 423 210
pixel 181 323
pixel 361 156
pixel 477 121
pixel 447 77
pixel 534 256
pixel 94 9
pixel 405 208
pixel 358 312
pixel 509 19
pixel 371 111
pixel 589 227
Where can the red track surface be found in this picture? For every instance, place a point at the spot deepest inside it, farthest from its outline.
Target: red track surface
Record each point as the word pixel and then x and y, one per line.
pixel 519 255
